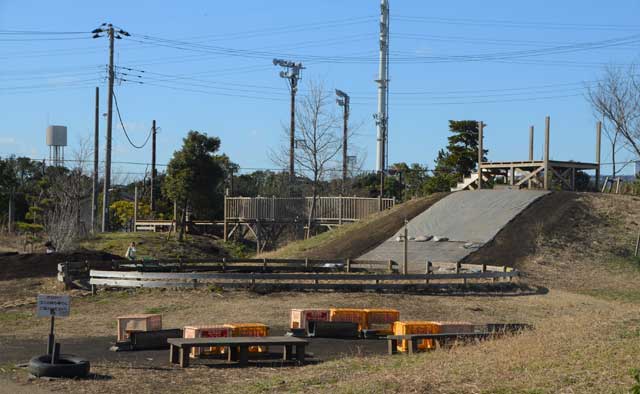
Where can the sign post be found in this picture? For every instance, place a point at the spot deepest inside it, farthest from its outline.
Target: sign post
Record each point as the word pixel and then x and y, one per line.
pixel 49 305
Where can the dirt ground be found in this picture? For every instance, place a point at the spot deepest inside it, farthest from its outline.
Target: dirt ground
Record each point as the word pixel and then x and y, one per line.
pixel 587 326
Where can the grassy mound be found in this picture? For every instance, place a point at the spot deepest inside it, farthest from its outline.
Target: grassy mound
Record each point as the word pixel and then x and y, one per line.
pixel 353 240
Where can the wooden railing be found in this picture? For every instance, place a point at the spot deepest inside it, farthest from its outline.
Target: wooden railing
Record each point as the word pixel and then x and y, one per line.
pixel 328 209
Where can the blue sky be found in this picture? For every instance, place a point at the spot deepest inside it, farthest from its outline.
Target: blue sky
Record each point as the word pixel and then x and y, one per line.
pixel 204 83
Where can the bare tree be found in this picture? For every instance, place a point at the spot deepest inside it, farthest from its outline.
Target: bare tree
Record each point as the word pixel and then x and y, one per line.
pixel 617 99
pixel 68 200
pixel 317 140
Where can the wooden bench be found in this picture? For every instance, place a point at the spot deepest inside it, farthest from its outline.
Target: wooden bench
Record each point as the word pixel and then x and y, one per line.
pixel 179 348
pixel 413 339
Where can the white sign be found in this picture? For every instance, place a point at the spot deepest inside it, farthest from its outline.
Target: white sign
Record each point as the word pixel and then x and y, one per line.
pixel 53 305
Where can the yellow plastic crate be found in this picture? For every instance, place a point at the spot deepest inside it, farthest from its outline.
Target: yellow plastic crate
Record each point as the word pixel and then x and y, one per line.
pixel 428 327
pixel 349 315
pixel 215 331
pixel 382 319
pixel 250 330
pixel 141 322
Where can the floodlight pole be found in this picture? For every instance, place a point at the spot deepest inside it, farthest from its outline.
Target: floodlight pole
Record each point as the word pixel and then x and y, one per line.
pixel 343 101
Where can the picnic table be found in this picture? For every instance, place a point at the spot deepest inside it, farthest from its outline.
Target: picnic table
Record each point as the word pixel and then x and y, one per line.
pixel 413 339
pixel 179 348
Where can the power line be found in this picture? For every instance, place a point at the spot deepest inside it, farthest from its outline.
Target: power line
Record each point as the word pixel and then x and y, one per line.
pixel 115 99
pixel 515 24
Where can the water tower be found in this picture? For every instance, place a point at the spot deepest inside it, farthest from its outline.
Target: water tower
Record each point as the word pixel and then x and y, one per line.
pixel 56 140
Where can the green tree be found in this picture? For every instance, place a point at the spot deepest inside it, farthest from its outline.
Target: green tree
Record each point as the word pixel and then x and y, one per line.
pixel 194 175
pixel 459 159
pixel 122 213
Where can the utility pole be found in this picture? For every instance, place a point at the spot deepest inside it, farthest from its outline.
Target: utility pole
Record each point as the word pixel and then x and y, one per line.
pixel 291 73
pixel 343 101
pixel 96 157
pixel 11 211
pixel 153 166
pixel 113 33
pixel 382 117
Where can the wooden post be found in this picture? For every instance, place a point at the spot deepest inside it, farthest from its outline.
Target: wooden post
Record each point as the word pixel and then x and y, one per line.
pixel 340 210
pixel 135 207
pixel 637 245
pixel 547 176
pixel 225 227
pixel 405 256
pixel 391 266
pixel 480 153
pixel 598 135
pixel 530 151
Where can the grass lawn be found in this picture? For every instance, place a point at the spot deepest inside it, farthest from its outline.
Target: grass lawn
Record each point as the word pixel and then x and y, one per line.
pixel 161 245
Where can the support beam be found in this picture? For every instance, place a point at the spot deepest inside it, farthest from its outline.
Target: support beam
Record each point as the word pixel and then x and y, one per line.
pixel 598 135
pixel 547 177
pixel 559 176
pixel 480 153
pixel 530 176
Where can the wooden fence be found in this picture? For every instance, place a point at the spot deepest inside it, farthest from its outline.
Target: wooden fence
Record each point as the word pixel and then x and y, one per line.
pixel 289 209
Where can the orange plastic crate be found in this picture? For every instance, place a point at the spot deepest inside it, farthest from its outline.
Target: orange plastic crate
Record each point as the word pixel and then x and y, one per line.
pixel 250 330
pixel 300 317
pixel 428 327
pixel 349 315
pixel 215 331
pixel 382 319
pixel 141 322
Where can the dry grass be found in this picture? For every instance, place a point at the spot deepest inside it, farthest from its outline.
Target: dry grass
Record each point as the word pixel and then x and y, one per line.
pixel 585 341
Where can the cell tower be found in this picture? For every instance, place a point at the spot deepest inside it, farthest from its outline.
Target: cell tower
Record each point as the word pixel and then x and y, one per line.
pixel 56 140
pixel 382 117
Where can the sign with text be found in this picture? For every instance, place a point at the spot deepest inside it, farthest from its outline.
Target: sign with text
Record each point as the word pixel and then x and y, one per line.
pixel 53 305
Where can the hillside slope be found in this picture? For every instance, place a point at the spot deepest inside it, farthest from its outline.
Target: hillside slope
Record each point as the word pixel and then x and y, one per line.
pixel 353 240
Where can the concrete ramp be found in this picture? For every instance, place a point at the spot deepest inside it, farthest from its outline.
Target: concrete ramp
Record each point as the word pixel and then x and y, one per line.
pixel 467 219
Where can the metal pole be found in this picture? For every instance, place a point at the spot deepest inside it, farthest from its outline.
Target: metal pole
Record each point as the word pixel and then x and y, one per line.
pixel 107 166
pixel 529 183
pixel 135 207
pixel 480 152
pixel 96 157
pixel 52 339
pixel 344 143
pixel 547 176
pixel 292 132
pixel 383 80
pixel 405 256
pixel 153 167
pixel 598 135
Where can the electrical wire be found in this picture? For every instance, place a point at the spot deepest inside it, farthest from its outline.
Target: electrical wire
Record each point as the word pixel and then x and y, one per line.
pixel 115 99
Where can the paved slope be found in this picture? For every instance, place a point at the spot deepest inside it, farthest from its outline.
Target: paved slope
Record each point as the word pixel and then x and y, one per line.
pixel 462 217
